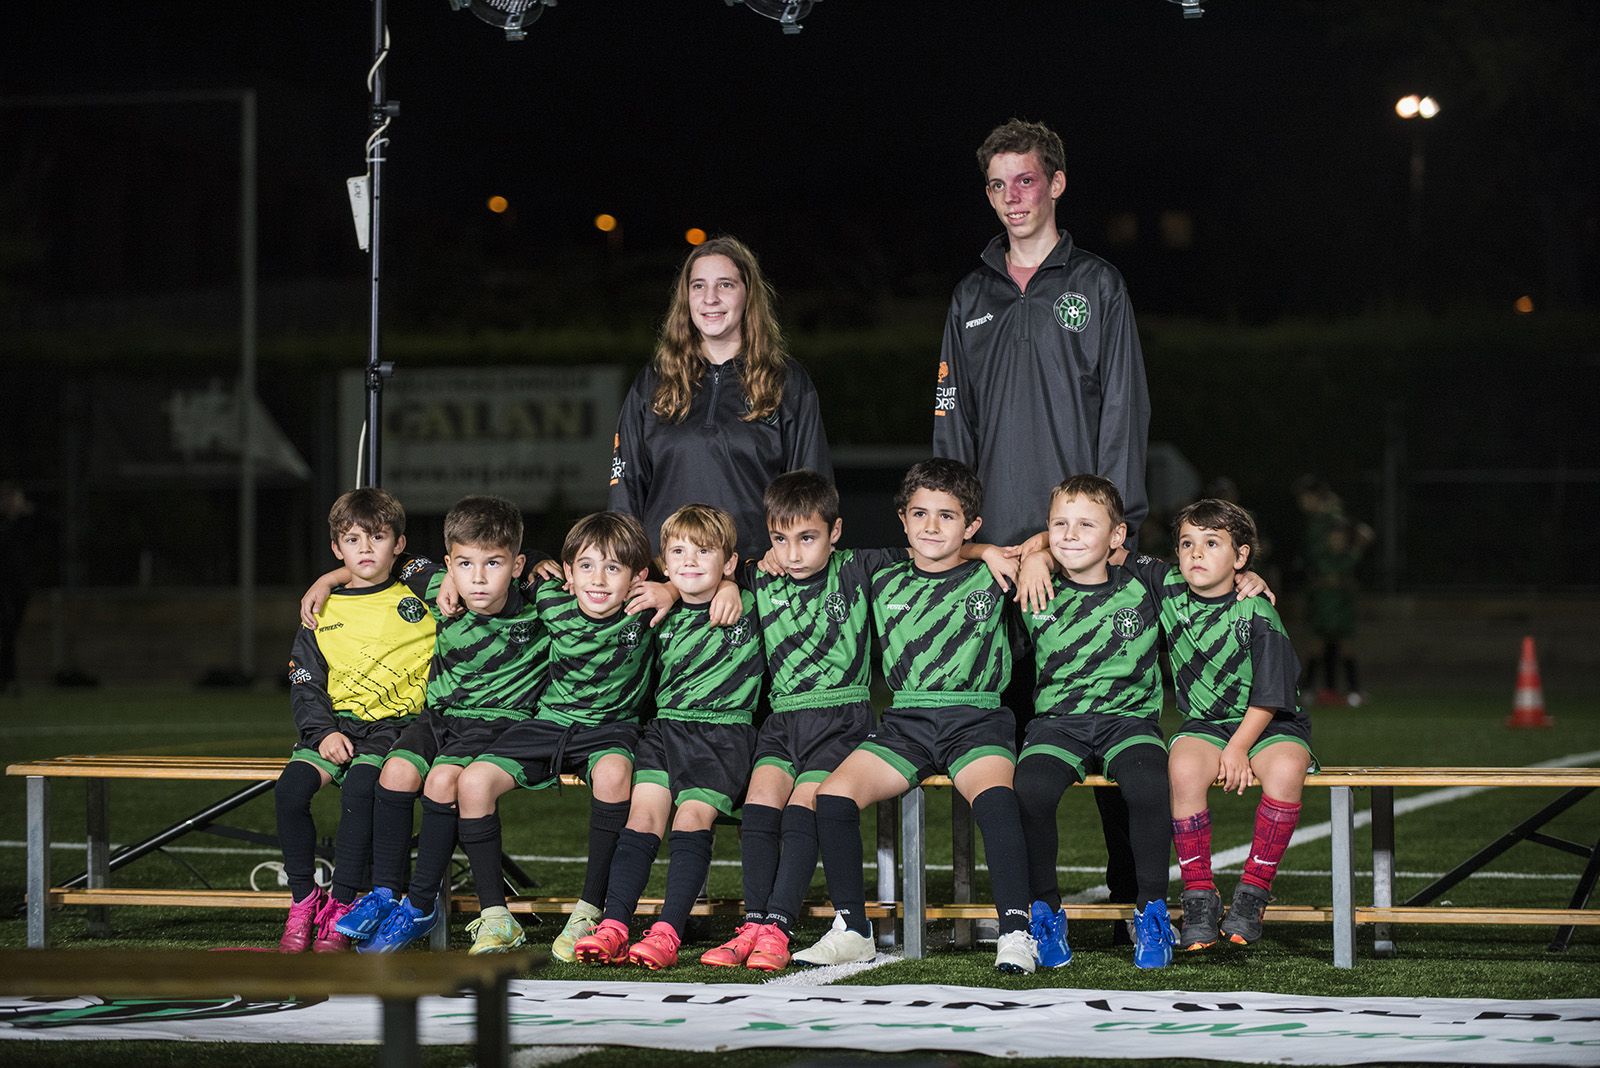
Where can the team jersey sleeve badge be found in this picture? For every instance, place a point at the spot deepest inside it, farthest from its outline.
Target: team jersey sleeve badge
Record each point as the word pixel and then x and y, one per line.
pixel 1241 631
pixel 1072 312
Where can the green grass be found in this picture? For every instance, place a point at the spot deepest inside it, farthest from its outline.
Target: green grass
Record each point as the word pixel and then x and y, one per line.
pixel 1402 728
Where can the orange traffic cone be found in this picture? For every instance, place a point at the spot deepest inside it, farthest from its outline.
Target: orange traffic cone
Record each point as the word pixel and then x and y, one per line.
pixel 1527 708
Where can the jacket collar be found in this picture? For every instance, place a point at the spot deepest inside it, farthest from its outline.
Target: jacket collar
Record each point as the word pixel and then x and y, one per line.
pixel 995 255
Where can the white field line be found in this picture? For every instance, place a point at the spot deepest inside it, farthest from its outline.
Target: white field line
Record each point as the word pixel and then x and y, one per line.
pixel 544 1056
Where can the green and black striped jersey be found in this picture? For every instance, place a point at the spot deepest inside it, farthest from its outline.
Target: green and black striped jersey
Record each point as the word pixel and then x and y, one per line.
pixel 942 635
pixel 1096 649
pixel 816 631
pixel 1227 655
pixel 709 674
pixel 488 667
pixel 599 668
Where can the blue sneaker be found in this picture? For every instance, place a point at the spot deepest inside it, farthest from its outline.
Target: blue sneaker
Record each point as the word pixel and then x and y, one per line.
pixel 367 915
pixel 1049 930
pixel 404 926
pixel 1153 938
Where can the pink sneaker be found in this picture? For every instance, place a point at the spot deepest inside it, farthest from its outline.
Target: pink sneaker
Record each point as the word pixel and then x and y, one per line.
pixel 735 950
pixel 606 944
pixel 299 928
pixel 657 949
pixel 329 940
pixel 771 952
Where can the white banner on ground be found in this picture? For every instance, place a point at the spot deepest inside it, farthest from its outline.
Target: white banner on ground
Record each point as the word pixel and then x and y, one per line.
pixel 1255 1028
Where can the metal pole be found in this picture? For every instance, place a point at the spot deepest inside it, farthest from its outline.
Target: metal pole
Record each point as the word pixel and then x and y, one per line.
pixel 380 116
pixel 247 384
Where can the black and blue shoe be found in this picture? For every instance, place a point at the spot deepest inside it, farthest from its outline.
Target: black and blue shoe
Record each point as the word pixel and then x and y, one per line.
pixel 404 926
pixel 1153 937
pixel 1049 930
pixel 367 915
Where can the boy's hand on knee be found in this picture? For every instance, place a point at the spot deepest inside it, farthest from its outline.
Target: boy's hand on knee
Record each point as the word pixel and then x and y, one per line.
pixel 1235 770
pixel 336 749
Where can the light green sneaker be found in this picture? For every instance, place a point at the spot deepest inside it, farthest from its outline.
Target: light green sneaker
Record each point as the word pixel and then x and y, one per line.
pixel 579 925
pixel 495 931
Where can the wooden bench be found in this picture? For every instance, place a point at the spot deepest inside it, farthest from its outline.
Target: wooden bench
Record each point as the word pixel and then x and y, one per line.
pixel 397 979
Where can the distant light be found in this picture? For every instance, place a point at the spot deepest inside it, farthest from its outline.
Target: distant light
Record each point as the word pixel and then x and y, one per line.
pixel 1414 106
pixel 695 236
pixel 787 13
pixel 605 223
pixel 498 204
pixel 1427 107
pixel 1524 305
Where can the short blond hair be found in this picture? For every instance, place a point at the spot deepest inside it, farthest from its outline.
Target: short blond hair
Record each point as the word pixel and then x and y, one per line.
pixel 1101 491
pixel 702 526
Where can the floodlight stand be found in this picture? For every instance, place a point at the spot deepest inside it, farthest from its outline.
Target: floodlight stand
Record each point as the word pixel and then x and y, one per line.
pixel 383 112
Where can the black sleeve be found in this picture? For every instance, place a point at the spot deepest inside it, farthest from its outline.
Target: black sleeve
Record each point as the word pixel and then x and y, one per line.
pixel 955 431
pixel 875 560
pixel 1150 571
pixel 308 690
pixel 805 440
pixel 1124 412
pixel 1275 677
pixel 630 460
pixel 416 572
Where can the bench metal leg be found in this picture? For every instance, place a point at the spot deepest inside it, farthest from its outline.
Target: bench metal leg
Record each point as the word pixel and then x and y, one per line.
pixel 888 813
pixel 1344 912
pixel 400 1049
pixel 38 887
pixel 97 821
pixel 439 937
pixel 1521 832
pixel 961 854
pixel 1382 864
pixel 1580 899
pixel 913 875
pixel 494 1029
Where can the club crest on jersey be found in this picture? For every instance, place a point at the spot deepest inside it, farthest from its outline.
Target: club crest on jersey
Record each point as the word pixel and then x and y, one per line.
pixel 739 633
pixel 1126 623
pixel 631 635
pixel 1241 630
pixel 1072 312
pixel 980 605
pixel 411 609
pixel 835 607
pixel 520 633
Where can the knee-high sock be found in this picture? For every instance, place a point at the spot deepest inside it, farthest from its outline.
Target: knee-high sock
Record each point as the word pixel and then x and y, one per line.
pixel 606 820
pixel 796 865
pixel 1192 838
pixel 686 874
pixel 1000 821
pixel 758 850
pixel 352 844
pixel 1120 878
pixel 297 832
pixel 480 841
pixel 391 835
pixel 1275 822
pixel 1040 782
pixel 435 842
pixel 1141 773
pixel 839 834
pixel 630 871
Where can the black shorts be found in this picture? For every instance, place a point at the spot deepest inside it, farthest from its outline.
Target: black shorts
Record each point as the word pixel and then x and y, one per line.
pixel 919 742
pixel 438 739
pixel 808 743
pixel 707 762
pixel 537 752
pixel 1089 742
pixel 371 739
pixel 1295 728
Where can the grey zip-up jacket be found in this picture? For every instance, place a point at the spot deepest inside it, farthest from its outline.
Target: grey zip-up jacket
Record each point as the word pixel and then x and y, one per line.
pixel 1036 386
pixel 713 456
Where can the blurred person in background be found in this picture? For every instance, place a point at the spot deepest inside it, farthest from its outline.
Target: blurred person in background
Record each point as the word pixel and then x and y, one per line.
pixel 15 508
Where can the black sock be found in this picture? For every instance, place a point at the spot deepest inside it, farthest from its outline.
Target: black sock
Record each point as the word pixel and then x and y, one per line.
pixel 352 843
pixel 686 874
pixel 297 832
pixel 630 871
pixel 839 834
pixel 1141 773
pixel 606 820
pixel 391 835
pixel 435 842
pixel 1041 780
pixel 1000 821
pixel 1120 877
pixel 796 866
pixel 758 850
pixel 1351 679
pixel 480 841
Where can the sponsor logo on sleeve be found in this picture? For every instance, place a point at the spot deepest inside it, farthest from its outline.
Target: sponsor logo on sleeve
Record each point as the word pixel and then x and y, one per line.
pixel 416 566
pixel 944 397
pixel 619 466
pixel 298 674
pixel 980 320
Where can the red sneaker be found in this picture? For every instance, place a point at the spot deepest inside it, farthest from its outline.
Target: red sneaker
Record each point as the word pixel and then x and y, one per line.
pixel 771 952
pixel 329 940
pixel 606 944
pixel 733 952
pixel 657 949
pixel 299 928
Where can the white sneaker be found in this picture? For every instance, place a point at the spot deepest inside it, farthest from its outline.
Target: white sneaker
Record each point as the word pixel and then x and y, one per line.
pixel 839 946
pixel 1016 953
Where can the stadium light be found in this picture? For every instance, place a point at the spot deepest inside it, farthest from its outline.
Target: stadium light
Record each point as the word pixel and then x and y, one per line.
pixel 787 13
pixel 1413 106
pixel 1191 8
pixel 509 15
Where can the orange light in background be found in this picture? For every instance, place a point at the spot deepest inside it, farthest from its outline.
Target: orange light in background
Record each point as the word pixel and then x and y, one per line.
pixel 1524 305
pixel 695 236
pixel 498 204
pixel 605 223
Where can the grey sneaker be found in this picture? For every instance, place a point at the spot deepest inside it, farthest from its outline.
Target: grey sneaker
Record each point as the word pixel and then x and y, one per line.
pixel 1202 909
pixel 1243 924
pixel 1016 953
pixel 839 946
